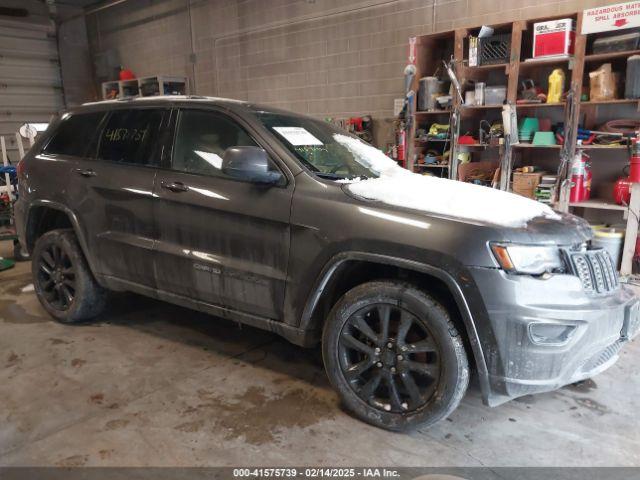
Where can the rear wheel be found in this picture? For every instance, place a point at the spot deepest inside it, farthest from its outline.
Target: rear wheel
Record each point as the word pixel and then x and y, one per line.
pixel 394 355
pixel 62 279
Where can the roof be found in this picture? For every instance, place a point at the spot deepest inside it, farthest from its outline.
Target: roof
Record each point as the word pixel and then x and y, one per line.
pixel 167 99
pixel 195 99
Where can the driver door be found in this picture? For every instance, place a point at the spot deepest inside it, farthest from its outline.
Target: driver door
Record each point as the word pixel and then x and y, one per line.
pixel 220 240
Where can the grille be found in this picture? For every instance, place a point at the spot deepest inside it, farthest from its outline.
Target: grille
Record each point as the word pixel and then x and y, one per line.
pixel 602 357
pixel 595 270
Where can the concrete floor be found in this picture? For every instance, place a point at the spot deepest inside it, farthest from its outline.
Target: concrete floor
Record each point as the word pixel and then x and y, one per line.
pixel 154 384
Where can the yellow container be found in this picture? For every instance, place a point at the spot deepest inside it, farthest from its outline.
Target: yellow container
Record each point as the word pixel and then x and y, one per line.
pixel 556 86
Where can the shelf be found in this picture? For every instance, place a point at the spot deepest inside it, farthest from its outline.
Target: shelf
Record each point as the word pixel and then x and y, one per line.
pixel 540 105
pixel 543 62
pixel 441 140
pixel 598 204
pixel 477 145
pixel 530 145
pixel 603 57
pixel 433 112
pixel 601 147
pixel 619 101
pixel 496 66
pixel 480 107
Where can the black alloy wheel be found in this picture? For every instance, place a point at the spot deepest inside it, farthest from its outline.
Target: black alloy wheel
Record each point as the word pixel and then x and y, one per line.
pixel 389 358
pixel 56 277
pixel 63 280
pixel 395 356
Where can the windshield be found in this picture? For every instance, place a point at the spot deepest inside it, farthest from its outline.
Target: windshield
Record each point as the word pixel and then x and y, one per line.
pixel 327 151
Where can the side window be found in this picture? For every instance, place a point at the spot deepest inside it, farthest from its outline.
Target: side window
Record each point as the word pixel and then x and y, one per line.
pixel 132 137
pixel 201 140
pixel 74 134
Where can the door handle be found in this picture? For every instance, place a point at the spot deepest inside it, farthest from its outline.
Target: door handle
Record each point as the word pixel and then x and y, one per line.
pixel 174 186
pixel 86 172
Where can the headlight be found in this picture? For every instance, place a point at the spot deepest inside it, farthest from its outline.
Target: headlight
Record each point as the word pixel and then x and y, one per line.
pixel 528 259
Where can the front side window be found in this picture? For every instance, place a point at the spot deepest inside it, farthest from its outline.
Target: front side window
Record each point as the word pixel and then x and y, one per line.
pixel 74 134
pixel 132 137
pixel 202 139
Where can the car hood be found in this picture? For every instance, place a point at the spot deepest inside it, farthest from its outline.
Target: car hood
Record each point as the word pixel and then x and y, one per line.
pixel 454 199
pixel 510 217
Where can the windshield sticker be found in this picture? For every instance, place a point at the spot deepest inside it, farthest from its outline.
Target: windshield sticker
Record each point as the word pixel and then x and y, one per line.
pixel 297 136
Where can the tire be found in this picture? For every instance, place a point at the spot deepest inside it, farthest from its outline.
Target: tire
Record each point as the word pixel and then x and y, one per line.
pixel 63 282
pixel 421 342
pixel 19 254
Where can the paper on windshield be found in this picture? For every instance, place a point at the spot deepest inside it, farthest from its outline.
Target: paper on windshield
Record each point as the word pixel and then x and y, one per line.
pixel 297 136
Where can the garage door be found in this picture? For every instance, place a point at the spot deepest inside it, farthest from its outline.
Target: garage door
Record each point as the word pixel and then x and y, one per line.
pixel 30 86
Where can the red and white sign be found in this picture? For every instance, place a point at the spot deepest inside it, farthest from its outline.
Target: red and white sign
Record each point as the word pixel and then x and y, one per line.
pixel 612 17
pixel 553 38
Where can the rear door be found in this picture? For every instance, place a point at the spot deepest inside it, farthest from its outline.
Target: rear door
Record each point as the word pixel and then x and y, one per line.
pixel 220 240
pixel 114 192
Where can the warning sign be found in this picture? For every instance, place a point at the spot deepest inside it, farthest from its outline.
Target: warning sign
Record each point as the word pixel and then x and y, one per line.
pixel 612 17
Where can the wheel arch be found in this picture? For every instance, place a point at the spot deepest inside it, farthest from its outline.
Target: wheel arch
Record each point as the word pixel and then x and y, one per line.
pixel 44 215
pixel 331 284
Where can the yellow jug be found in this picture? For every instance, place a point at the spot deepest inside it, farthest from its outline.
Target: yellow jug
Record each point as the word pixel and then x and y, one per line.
pixel 556 86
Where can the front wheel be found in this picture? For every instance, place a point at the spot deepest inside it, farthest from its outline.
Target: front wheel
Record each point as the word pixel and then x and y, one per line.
pixel 394 356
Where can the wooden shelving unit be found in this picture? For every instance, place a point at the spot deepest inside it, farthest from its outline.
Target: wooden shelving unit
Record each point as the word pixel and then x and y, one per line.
pixel 607 160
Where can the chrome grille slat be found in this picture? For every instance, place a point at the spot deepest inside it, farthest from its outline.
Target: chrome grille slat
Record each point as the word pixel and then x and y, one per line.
pixel 595 270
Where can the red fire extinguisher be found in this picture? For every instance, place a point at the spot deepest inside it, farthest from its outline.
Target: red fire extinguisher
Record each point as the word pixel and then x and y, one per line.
pixel 622 188
pixel 401 146
pixel 580 178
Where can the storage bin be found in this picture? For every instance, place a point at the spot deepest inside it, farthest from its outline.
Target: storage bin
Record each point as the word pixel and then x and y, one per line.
pixel 611 239
pixel 495 49
pixel 617 43
pixel 428 89
pixel 495 95
pixel 632 85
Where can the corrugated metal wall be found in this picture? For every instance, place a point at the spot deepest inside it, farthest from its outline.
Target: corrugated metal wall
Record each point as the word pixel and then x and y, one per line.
pixel 30 86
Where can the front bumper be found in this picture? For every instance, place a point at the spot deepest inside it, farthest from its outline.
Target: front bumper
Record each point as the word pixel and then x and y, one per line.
pixel 549 333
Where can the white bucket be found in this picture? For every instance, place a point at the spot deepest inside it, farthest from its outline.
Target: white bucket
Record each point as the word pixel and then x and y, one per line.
pixel 611 239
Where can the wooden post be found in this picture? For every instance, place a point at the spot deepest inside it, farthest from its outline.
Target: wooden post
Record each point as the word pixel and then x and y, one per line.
pixel 456 107
pixel 513 69
pixel 631 234
pixel 577 65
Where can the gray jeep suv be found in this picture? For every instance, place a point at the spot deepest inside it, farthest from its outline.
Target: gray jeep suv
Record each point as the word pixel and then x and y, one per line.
pixel 286 223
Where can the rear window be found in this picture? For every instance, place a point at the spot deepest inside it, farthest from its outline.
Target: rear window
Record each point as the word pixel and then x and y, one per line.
pixel 132 136
pixel 74 134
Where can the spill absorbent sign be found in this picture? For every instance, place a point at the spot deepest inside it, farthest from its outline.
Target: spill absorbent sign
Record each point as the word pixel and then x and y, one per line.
pixel 611 17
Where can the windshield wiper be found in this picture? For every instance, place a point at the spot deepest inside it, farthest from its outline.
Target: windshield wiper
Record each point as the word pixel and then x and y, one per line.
pixel 330 176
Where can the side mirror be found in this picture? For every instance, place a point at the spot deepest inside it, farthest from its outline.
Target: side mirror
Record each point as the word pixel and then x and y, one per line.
pixel 250 164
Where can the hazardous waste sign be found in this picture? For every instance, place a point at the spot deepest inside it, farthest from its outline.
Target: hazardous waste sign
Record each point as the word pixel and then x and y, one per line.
pixel 611 17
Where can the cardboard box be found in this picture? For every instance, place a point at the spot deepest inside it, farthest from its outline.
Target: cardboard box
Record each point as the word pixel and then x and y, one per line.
pixel 525 184
pixel 553 38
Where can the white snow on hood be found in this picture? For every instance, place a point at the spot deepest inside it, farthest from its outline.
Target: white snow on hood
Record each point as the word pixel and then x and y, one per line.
pixel 400 187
